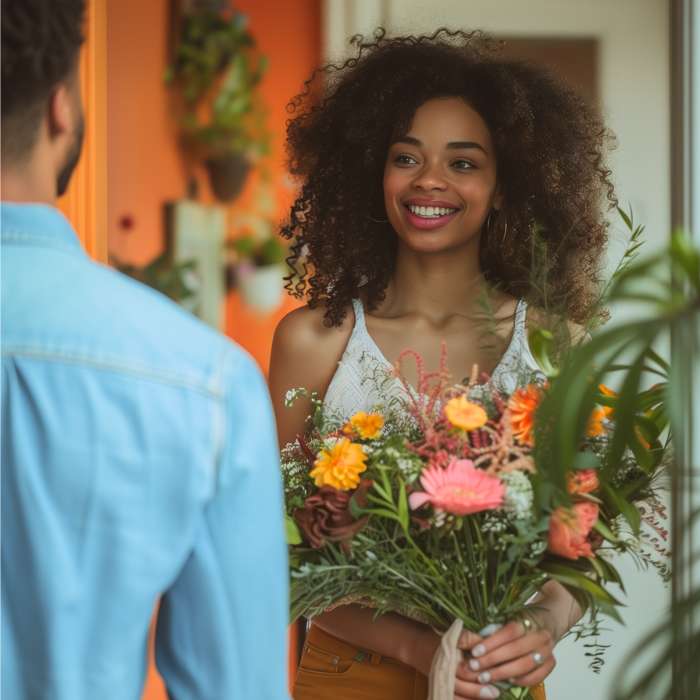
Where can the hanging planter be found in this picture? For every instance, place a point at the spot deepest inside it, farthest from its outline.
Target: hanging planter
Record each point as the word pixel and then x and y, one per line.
pixel 262 288
pixel 216 71
pixel 258 269
pixel 227 175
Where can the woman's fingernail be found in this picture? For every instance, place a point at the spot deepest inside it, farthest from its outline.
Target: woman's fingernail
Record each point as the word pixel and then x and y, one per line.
pixel 489 629
pixel 474 665
pixel 479 650
pixel 489 692
pixel 484 677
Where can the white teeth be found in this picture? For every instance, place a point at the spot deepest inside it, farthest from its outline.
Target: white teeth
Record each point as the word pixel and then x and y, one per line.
pixel 430 212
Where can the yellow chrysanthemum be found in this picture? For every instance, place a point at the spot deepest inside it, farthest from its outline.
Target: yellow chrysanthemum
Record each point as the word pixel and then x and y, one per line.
pixel 367 425
pixel 340 466
pixel 464 414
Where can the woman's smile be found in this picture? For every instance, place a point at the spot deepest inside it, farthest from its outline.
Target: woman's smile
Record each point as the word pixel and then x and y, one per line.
pixel 427 214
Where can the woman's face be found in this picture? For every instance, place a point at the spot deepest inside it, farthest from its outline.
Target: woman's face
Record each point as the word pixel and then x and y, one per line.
pixel 440 177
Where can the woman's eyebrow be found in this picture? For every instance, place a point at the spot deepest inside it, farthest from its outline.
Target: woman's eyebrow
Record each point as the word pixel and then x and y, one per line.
pixel 452 145
pixel 465 144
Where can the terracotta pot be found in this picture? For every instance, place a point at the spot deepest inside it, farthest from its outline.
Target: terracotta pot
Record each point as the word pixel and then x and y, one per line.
pixel 227 175
pixel 262 287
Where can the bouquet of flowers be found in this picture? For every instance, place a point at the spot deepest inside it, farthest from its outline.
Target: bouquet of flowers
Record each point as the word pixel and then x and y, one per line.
pixel 446 508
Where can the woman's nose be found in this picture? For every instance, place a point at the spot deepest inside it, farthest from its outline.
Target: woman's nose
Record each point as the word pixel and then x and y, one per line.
pixel 430 178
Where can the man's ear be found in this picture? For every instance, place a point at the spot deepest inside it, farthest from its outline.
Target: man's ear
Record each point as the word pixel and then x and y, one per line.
pixel 60 111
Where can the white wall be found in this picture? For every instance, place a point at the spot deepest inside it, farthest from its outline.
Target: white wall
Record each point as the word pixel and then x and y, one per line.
pixel 633 38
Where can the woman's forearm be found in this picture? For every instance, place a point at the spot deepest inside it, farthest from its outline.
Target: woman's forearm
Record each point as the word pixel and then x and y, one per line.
pixel 557 610
pixel 390 635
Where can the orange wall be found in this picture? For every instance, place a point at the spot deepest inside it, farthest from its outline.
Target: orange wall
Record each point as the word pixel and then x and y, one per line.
pixel 84 203
pixel 289 33
pixel 144 167
pixel 144 164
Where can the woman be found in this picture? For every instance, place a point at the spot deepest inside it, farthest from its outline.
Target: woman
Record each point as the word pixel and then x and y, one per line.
pixel 429 168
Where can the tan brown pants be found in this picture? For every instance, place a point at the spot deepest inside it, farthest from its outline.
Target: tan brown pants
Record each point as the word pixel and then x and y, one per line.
pixel 331 669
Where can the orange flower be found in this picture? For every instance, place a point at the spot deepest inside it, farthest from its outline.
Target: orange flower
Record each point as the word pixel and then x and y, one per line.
pixel 464 414
pixel 340 466
pixel 569 530
pixel 366 425
pixel 607 391
pixel 596 425
pixel 522 405
pixel 609 411
pixel 583 481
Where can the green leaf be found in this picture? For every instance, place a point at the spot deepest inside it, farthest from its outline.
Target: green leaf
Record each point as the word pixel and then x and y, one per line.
pixel 292 531
pixel 403 507
pixel 628 510
pixel 570 578
pixel 627 218
pixel 586 460
pixel 625 411
pixel 605 531
pixel 540 341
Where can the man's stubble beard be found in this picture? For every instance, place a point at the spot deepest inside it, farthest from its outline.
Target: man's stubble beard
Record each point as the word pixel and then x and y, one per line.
pixel 72 158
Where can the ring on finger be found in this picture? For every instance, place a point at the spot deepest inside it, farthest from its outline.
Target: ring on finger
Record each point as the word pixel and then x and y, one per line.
pixel 537 658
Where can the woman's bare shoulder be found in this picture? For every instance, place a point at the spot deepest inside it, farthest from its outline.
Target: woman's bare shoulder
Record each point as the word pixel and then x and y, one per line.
pixel 306 349
pixel 304 330
pixel 305 353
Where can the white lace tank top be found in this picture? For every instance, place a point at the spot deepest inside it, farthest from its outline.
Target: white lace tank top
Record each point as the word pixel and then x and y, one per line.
pixel 354 386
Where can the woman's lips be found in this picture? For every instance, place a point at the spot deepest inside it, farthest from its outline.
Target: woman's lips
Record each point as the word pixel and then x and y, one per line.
pixel 428 223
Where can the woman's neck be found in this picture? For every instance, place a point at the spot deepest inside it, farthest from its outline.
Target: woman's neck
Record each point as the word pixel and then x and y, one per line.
pixel 435 285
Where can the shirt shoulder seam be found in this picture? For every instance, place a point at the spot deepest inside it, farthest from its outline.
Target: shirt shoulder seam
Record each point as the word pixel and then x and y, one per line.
pixel 208 383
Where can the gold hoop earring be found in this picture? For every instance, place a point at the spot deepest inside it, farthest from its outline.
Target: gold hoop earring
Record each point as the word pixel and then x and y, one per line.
pixel 505 231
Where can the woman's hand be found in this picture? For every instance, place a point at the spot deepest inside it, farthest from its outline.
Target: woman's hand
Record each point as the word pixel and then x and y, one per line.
pixel 517 653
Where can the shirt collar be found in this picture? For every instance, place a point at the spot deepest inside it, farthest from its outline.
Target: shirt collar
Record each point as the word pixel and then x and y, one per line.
pixel 37 224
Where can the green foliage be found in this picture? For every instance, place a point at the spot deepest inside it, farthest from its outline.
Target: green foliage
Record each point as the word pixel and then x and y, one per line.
pixel 664 291
pixel 176 280
pixel 217 71
pixel 259 252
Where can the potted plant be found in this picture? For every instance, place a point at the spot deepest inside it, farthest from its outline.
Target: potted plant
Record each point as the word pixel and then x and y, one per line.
pixel 217 70
pixel 258 269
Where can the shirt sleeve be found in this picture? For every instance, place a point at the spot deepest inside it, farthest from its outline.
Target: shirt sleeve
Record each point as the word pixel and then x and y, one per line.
pixel 222 625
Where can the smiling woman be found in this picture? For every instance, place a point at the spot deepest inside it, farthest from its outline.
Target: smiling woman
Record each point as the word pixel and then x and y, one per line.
pixel 542 139
pixel 430 168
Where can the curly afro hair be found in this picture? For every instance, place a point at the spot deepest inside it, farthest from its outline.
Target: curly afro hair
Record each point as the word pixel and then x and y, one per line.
pixel 41 41
pixel 550 158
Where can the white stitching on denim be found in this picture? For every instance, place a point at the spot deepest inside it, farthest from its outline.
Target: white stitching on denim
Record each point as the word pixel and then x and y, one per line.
pixel 201 384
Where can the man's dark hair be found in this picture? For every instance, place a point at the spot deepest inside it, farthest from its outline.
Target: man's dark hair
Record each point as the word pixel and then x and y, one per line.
pixel 40 44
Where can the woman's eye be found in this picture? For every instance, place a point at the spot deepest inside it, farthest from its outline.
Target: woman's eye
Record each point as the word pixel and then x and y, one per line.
pixel 462 164
pixel 405 159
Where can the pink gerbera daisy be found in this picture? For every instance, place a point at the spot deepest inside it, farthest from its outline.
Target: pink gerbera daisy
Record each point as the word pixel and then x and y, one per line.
pixel 460 488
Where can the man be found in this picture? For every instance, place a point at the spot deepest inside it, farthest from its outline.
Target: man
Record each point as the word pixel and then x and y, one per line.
pixel 139 456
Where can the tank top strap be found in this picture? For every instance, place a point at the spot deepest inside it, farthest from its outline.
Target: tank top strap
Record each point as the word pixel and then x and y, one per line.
pixel 520 321
pixel 359 331
pixel 359 309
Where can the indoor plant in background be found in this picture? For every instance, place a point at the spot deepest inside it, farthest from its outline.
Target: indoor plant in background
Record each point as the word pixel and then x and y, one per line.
pixel 257 267
pixel 216 70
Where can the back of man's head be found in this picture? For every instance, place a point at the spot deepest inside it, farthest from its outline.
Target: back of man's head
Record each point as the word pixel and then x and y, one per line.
pixel 41 41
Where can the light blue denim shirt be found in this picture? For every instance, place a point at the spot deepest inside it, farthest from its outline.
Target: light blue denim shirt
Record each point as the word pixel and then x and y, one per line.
pixel 139 460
